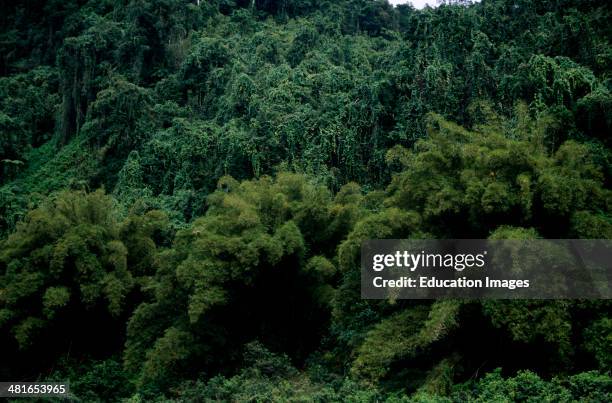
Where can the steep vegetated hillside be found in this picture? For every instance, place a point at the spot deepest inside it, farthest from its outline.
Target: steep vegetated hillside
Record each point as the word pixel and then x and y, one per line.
pixel 185 186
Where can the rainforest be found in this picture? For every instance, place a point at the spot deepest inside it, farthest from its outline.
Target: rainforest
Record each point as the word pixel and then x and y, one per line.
pixel 185 187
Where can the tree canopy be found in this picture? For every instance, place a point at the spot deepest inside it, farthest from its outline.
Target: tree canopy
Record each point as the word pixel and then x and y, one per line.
pixel 185 187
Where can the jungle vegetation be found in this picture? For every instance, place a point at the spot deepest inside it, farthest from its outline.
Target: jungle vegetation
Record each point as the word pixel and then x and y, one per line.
pixel 185 186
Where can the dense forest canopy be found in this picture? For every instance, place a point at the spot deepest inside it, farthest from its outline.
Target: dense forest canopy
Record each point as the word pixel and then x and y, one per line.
pixel 185 186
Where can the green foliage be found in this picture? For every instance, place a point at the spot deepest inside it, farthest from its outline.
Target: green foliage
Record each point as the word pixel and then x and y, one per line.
pixel 527 386
pixel 592 115
pixel 325 94
pixel 404 335
pixel 485 178
pixel 249 148
pixel 29 103
pixel 598 340
pixel 271 377
pixel 527 321
pixel 463 183
pixel 256 238
pixel 93 380
pixel 72 251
